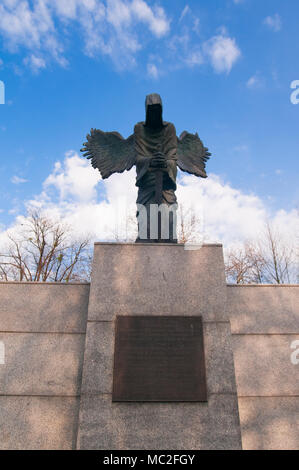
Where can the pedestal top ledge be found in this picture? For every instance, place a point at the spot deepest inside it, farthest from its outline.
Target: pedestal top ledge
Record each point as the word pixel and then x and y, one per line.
pixel 157 244
pixel 157 279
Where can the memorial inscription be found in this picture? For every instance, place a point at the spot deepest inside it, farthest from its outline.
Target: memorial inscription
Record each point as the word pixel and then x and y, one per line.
pixel 159 359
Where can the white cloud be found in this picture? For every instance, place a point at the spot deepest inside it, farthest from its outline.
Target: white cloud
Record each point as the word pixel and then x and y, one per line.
pixel 241 148
pixel 223 52
pixel 179 42
pixel 112 29
pixel 71 192
pixel 152 71
pixel 18 180
pixel 107 27
pixel 69 9
pixel 186 49
pixel 118 29
pixel 30 26
pixel 75 192
pixel 185 11
pixel 254 82
pixel 36 63
pixel 118 13
pixel 273 22
pixel 22 24
pixel 75 180
pixel 155 18
pixel 194 57
pixel 188 17
pixel 228 214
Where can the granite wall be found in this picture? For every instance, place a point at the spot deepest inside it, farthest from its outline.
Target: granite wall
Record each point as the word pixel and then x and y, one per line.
pixel 42 334
pixel 42 346
pixel 265 331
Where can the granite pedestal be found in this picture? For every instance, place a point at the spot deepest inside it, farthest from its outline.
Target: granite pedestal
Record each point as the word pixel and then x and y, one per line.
pixel 158 279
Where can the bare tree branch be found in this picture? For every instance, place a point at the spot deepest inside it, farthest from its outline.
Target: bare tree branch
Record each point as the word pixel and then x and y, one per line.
pixel 45 250
pixel 269 260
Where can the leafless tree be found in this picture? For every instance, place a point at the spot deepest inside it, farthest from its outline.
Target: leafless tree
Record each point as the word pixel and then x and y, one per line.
pixel 127 229
pixel 245 265
pixel 270 260
pixel 41 250
pixel 279 256
pixel 188 226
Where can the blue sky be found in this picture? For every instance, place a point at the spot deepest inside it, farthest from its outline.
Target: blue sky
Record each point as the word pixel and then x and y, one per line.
pixel 223 68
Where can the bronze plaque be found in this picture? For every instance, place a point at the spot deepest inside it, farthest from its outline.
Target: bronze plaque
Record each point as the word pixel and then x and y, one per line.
pixel 159 359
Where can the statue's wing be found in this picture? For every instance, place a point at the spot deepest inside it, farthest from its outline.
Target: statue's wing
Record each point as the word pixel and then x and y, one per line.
pixel 109 152
pixel 192 155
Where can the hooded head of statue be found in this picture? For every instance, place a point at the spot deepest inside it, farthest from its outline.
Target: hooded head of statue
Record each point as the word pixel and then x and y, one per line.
pixel 153 108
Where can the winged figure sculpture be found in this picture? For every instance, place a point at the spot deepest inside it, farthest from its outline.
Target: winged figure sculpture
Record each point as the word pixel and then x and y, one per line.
pixel 156 151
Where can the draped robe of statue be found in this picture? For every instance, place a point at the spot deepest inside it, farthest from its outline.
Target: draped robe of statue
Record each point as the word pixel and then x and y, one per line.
pixel 147 142
pixel 156 152
pixel 151 138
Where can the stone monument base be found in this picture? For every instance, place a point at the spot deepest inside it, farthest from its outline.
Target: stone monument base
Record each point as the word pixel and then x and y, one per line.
pixel 159 280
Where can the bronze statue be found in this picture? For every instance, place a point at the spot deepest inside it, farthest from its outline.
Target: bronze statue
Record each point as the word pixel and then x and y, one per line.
pixel 156 151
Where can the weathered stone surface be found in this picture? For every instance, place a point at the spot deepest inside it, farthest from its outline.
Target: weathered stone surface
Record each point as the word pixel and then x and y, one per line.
pixel 41 364
pixel 145 279
pixel 219 358
pixel 38 423
pixel 263 365
pixel 157 279
pixel 213 425
pixel 98 362
pixel 98 358
pixel 263 309
pixel 47 307
pixel 269 423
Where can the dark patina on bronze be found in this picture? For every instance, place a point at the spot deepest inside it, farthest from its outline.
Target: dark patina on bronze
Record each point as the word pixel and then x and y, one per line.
pixel 159 359
pixel 156 152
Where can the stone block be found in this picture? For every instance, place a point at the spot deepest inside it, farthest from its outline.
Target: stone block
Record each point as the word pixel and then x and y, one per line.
pixel 41 364
pixel 38 423
pixel 43 307
pixel 155 426
pixel 263 309
pixel 157 279
pixel 263 365
pixel 269 423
